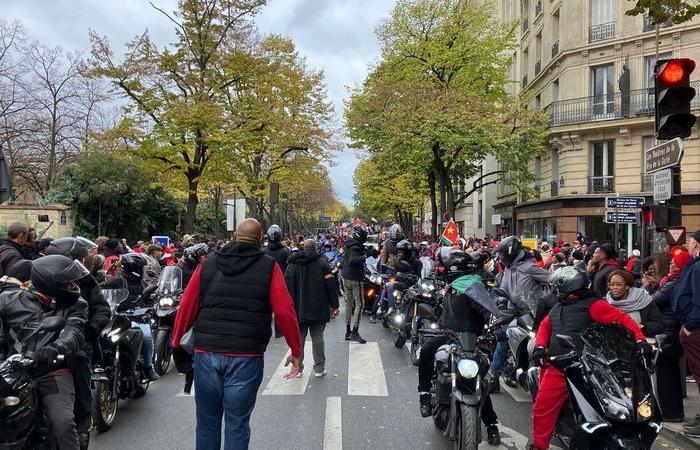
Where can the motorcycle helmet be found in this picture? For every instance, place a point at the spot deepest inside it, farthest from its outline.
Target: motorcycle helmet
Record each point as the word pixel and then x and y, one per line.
pixel 274 233
pixel 509 250
pixel 56 276
pixel 567 280
pixel 402 267
pixel 458 264
pixel 195 252
pixel 395 232
pixel 404 249
pixel 134 264
pixel 73 248
pixel 359 233
pixel 443 255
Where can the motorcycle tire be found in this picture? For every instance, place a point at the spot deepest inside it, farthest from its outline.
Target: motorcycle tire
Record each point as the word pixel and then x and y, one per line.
pixel 416 325
pixel 142 383
pixel 162 352
pixel 467 432
pixel 385 322
pixel 398 337
pixel 441 418
pixel 104 411
pixel 508 374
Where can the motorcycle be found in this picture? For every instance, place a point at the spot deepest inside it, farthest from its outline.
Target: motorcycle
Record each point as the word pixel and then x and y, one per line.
pixel 121 374
pixel 168 297
pixel 612 400
pixel 23 422
pixel 520 333
pixel 373 285
pixel 405 291
pixel 426 298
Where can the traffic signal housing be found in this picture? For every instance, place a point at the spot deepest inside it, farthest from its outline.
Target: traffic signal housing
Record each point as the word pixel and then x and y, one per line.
pixel 673 95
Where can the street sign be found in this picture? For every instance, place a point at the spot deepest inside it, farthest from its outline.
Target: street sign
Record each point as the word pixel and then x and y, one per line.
pixel 324 218
pixel 675 236
pixel 495 219
pixel 620 217
pixel 624 202
pixel 664 155
pixel 663 185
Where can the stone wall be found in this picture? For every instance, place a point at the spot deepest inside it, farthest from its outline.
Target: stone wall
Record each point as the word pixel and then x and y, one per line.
pixel 61 216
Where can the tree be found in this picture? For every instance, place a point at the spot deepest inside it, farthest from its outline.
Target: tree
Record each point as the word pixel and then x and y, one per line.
pixel 663 11
pixel 114 196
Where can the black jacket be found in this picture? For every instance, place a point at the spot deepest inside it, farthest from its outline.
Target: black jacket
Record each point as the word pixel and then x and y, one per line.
pixel 662 298
pixel 599 279
pixel 653 322
pixel 353 263
pixel 188 268
pixel 279 253
pixel 312 287
pixel 99 311
pixel 10 253
pixel 21 312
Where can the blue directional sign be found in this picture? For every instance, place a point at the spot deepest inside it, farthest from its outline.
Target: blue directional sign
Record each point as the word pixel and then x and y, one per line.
pixel 624 202
pixel 324 218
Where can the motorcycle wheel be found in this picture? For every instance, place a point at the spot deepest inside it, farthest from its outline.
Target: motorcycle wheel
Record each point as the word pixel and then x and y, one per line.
pixel 467 437
pixel 104 410
pixel 441 418
pixel 142 382
pixel 162 352
pixel 398 337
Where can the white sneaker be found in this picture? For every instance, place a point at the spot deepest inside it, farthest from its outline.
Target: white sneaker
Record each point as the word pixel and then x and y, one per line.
pixel 320 374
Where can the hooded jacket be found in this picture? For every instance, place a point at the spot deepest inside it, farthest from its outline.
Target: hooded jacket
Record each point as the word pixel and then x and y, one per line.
pixel 99 311
pixel 10 253
pixel 353 262
pixel 523 281
pixel 279 253
pixel 312 287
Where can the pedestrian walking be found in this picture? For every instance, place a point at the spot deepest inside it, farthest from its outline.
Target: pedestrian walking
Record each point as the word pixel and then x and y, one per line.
pixel 313 289
pixel 12 248
pixel 353 273
pixel 229 304
pixel 686 304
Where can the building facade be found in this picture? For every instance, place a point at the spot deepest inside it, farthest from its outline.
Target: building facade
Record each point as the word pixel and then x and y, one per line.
pixel 591 67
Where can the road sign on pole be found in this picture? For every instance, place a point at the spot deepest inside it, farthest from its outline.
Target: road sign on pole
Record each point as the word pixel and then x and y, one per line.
pixel 620 217
pixel 663 185
pixel 624 202
pixel 664 155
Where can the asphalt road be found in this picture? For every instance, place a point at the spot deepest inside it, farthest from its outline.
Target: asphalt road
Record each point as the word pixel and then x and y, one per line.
pixel 368 400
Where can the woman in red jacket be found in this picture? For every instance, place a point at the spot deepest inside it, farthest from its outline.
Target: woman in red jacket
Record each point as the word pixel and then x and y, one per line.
pixel 577 309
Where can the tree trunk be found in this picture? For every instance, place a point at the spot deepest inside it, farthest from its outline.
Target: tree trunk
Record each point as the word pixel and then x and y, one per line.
pixel 433 204
pixel 192 202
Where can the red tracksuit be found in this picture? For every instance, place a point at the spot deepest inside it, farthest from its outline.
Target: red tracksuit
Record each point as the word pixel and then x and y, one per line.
pixel 553 392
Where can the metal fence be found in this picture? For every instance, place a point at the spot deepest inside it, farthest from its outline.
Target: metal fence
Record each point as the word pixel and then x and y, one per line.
pixel 538 8
pixel 598 185
pixel 601 32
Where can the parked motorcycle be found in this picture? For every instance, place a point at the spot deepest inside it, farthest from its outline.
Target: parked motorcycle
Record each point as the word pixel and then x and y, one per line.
pixel 612 403
pixel 168 297
pixel 23 422
pixel 121 374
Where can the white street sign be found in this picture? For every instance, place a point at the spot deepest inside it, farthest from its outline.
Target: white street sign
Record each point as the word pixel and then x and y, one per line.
pixel 663 185
pixel 495 219
pixel 235 209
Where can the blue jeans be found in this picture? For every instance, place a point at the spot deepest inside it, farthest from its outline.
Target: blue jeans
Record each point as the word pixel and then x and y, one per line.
pixel 147 347
pixel 499 358
pixel 225 384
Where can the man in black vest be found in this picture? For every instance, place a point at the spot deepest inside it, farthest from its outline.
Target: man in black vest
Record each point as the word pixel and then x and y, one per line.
pixel 230 300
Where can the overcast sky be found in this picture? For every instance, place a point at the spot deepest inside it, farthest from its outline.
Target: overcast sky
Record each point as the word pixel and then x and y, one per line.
pixel 336 36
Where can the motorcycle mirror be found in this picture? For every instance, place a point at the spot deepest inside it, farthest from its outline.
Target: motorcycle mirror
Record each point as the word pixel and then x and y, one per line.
pixel 53 323
pixel 566 341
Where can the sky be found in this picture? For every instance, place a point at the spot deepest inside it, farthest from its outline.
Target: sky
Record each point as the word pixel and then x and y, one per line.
pixel 337 36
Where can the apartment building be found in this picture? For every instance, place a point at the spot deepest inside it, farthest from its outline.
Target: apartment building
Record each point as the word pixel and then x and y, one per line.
pixel 591 67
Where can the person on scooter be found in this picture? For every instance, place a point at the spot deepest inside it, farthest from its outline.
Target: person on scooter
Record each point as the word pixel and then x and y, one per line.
pixel 133 267
pixel 99 314
pixel 404 252
pixel 54 293
pixel 192 256
pixel 578 307
pixel 461 313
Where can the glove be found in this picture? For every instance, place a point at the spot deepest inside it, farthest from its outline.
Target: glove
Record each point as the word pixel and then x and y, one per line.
pixel 538 356
pixel 642 349
pixel 499 334
pixel 372 252
pixel 183 360
pixel 46 356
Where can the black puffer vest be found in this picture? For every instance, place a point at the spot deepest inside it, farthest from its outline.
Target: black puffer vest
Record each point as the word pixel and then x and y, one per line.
pixel 569 319
pixel 234 308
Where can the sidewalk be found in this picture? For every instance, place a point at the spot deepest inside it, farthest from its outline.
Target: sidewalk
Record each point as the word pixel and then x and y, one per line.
pixel 692 406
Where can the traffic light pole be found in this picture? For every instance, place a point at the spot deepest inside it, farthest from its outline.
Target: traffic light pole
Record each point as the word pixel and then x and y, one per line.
pixel 675 205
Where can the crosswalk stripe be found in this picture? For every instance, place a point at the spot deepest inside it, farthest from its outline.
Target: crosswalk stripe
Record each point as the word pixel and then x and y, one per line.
pixel 333 432
pixel 366 371
pixel 278 385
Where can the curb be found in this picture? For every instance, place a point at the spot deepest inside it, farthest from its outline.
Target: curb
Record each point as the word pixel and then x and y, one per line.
pixel 679 437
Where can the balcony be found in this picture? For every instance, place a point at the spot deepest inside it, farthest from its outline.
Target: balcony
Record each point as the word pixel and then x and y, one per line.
pixel 554 188
pixel 526 25
pixel 538 8
pixel 647 182
pixel 555 49
pixel 601 32
pixel 524 81
pixel 601 185
pixel 538 67
pixel 638 103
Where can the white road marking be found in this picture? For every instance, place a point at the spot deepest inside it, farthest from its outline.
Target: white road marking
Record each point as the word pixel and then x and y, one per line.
pixel 333 432
pixel 365 371
pixel 278 385
pixel 516 392
pixel 514 440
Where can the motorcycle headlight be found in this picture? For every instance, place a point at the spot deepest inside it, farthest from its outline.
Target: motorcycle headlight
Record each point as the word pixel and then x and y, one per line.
pixel 398 319
pixel 468 368
pixel 395 294
pixel 433 326
pixel 166 302
pixel 644 410
pixel 11 401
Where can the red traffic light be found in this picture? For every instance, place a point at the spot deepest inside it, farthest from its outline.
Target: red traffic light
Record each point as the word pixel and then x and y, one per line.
pixel 675 70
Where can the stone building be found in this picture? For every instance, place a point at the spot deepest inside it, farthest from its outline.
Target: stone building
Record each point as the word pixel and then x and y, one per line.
pixel 49 220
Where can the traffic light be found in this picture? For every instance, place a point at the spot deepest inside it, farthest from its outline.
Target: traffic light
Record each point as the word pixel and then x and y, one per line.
pixel 673 96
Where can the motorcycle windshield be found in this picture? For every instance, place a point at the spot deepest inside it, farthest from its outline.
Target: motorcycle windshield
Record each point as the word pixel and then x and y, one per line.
pixel 428 270
pixel 170 281
pixel 371 265
pixel 467 341
pixel 115 296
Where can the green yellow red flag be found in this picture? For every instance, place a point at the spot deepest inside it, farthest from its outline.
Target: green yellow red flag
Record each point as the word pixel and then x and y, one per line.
pixel 451 233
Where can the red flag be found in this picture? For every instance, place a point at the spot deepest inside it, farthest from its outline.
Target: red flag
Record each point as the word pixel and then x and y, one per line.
pixel 451 234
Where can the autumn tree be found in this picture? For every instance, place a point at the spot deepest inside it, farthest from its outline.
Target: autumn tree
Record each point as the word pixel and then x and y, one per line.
pixel 663 11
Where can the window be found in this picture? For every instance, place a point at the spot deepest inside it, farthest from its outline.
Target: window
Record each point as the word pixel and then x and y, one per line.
pixel 538 53
pixel 649 63
pixel 538 101
pixel 538 168
pixel 603 87
pixel 63 219
pixel 647 142
pixel 602 167
pixel 480 214
pixel 602 12
pixel 525 13
pixel 555 90
pixel 525 61
pixel 554 156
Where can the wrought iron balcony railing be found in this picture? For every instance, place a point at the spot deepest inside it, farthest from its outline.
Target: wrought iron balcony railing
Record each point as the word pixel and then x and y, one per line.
pixel 526 25
pixel 555 49
pixel 598 185
pixel 538 67
pixel 639 102
pixel 601 32
pixel 538 8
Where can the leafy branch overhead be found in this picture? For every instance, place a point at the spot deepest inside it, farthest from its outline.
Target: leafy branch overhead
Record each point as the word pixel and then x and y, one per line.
pixel 663 11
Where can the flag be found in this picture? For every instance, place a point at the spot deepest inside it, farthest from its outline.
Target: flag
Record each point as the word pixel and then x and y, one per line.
pixel 451 233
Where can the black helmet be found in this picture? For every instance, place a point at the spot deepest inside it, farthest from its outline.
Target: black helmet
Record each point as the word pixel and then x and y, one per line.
pixel 56 276
pixel 458 264
pixel 194 253
pixel 509 249
pixel 73 248
pixel 567 280
pixel 395 232
pixel 402 267
pixel 274 233
pixel 406 247
pixel 359 233
pixel 134 264
pixel 443 255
